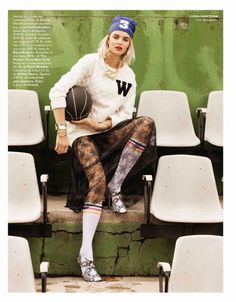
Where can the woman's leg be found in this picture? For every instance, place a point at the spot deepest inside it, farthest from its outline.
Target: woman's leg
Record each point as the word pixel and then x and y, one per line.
pixel 89 160
pixel 129 156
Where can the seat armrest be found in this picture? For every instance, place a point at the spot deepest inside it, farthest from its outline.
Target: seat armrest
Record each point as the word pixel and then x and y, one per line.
pixel 44 267
pixel 47 110
pixel 43 270
pixel 165 266
pixel 134 113
pixel 201 110
pixel 201 121
pixel 147 196
pixel 43 180
pixel 147 177
pixel 164 275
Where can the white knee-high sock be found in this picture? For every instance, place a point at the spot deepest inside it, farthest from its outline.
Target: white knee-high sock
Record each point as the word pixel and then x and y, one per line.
pixel 91 216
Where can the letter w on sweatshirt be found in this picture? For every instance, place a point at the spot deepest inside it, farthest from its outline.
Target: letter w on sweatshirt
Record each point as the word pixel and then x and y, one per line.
pixel 123 88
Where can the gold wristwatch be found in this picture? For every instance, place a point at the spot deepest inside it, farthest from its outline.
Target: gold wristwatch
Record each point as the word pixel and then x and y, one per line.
pixel 61 129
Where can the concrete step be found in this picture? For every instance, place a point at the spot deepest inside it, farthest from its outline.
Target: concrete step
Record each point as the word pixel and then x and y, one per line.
pixel 58 213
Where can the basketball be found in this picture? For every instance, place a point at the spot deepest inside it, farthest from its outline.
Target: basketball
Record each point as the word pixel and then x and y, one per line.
pixel 78 104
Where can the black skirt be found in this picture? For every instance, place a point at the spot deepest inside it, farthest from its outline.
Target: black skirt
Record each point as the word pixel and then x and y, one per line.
pixel 109 157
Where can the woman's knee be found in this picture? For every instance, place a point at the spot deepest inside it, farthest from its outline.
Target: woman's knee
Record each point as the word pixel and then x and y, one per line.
pixel 145 125
pixel 147 121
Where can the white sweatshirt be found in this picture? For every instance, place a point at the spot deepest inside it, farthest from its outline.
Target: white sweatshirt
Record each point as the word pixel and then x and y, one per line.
pixel 113 98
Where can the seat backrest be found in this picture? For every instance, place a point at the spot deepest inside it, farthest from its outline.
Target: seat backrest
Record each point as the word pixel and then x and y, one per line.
pixel 214 119
pixel 24 118
pixel 197 264
pixel 171 113
pixel 20 269
pixel 185 190
pixel 24 204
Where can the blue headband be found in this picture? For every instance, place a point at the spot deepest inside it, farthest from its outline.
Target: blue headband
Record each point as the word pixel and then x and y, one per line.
pixel 124 24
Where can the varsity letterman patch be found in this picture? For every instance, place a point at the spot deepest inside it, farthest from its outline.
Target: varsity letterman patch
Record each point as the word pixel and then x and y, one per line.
pixel 123 88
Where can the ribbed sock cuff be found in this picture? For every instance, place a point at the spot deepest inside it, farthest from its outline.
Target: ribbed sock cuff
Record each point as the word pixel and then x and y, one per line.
pixel 92 208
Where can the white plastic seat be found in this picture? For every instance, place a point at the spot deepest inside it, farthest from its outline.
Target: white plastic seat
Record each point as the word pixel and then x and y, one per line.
pixel 214 119
pixel 24 118
pixel 185 190
pixel 197 265
pixel 20 269
pixel 171 113
pixel 24 203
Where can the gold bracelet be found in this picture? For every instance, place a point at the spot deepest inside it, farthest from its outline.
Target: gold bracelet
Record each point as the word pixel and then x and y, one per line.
pixel 60 126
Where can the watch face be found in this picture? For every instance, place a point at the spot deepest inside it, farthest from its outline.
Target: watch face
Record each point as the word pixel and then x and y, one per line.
pixel 61 132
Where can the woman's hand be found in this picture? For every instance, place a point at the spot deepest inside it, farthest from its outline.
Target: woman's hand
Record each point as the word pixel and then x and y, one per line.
pixel 62 144
pixel 93 125
pixel 89 123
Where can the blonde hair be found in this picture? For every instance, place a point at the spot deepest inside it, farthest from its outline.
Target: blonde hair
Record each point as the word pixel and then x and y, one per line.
pixel 127 58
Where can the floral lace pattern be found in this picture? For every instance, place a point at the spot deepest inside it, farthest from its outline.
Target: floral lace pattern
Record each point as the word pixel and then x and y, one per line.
pixel 90 161
pixel 95 159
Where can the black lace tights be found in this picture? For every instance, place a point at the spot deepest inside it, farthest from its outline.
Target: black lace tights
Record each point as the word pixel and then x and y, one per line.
pixel 140 129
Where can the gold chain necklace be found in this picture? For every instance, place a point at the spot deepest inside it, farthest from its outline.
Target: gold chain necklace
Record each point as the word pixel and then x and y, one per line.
pixel 110 73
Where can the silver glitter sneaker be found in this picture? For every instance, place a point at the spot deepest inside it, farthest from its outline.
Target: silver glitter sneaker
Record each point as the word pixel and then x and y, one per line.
pixel 115 202
pixel 88 270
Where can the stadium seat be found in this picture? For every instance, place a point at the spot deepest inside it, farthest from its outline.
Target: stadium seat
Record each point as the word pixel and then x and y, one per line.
pixel 197 265
pixel 24 198
pixel 24 202
pixel 171 113
pixel 25 126
pixel 20 269
pixel 210 119
pixel 184 191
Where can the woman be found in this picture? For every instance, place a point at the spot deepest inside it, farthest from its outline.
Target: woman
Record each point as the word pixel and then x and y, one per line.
pixel 107 145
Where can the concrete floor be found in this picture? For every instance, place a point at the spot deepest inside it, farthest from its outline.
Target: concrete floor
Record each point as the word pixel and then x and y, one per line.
pixel 109 284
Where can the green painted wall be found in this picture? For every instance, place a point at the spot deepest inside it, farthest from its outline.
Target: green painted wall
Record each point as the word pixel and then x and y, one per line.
pixel 176 50
pixel 118 250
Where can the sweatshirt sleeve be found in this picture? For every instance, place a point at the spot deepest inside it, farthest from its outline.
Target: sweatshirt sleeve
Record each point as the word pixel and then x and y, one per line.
pixel 126 109
pixel 78 74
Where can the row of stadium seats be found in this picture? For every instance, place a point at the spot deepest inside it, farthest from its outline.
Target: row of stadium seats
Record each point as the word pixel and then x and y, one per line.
pixel 197 266
pixel 184 192
pixel 24 201
pixel 169 109
pixel 184 189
